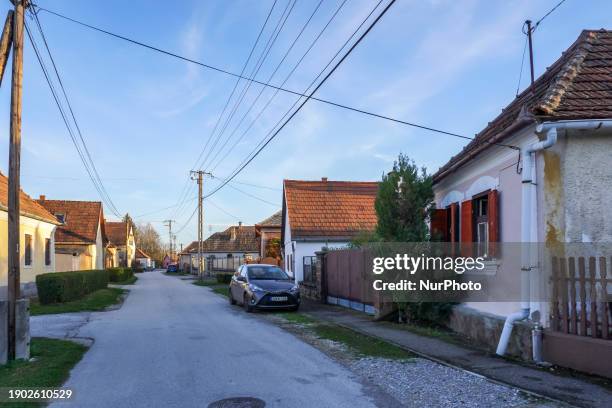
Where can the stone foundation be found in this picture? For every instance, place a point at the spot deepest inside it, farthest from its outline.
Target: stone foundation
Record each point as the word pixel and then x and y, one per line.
pixel 485 329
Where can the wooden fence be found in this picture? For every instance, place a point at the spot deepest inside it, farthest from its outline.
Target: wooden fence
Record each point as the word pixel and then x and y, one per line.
pixel 580 299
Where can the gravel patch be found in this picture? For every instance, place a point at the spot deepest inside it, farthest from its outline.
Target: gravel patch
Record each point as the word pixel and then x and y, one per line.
pixel 423 383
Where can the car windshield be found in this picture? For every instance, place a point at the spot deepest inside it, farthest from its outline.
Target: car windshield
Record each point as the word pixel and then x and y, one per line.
pixel 266 272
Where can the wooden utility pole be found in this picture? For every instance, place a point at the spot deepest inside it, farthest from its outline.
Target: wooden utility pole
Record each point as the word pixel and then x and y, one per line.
pixel 198 175
pixel 529 32
pixel 14 167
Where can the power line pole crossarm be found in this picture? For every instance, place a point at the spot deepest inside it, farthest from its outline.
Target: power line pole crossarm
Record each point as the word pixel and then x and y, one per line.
pixel 199 176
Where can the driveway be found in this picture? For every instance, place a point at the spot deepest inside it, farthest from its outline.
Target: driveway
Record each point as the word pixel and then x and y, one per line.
pixel 173 344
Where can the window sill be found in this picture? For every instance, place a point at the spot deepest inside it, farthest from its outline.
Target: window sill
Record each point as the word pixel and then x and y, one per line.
pixel 490 269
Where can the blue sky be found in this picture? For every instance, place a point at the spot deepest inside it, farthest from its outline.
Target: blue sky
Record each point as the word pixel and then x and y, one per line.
pixel 146 117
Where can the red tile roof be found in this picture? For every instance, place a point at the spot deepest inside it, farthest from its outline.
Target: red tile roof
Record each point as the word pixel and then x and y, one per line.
pixel 577 86
pixel 116 232
pixel 233 239
pixel 81 220
pixel 27 206
pixel 272 221
pixel 330 209
pixel 141 254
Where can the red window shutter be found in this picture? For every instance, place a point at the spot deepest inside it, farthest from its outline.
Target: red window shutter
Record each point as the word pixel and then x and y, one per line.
pixel 439 225
pixel 467 234
pixel 454 222
pixel 493 215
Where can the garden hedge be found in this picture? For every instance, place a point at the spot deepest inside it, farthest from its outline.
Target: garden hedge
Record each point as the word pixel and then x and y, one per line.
pixel 119 274
pixel 59 287
pixel 224 277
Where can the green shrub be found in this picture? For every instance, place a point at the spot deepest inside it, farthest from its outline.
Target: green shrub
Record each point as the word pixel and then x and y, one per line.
pixel 224 277
pixel 59 287
pixel 119 274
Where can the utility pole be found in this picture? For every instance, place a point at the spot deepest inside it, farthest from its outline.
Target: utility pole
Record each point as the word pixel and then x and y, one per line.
pixel 168 223
pixel 529 32
pixel 14 176
pixel 198 175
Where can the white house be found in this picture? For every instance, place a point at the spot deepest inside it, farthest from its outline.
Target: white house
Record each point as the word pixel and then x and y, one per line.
pixel 144 260
pixel 319 214
pixel 540 174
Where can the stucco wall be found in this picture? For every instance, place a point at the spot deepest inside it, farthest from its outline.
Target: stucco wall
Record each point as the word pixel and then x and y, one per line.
pixel 39 231
pixel 578 188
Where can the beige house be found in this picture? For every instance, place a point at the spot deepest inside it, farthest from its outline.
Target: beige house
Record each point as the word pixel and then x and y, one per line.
pixel 37 228
pixel 121 236
pixel 80 239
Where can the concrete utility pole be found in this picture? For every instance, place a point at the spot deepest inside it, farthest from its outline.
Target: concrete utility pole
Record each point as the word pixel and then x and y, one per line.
pixel 14 176
pixel 198 175
pixel 168 223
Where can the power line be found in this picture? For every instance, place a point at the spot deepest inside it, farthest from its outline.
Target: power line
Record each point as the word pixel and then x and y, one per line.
pixel 537 23
pixel 161 209
pixel 254 196
pixel 264 88
pixel 329 74
pixel 518 85
pixel 246 63
pixel 61 84
pixel 65 119
pixel 262 58
pixel 295 67
pixel 222 210
pixel 185 189
pixel 224 71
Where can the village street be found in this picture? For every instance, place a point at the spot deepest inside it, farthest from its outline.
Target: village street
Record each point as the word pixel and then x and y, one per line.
pixel 173 344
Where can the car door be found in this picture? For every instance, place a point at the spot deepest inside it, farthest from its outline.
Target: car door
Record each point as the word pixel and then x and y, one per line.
pixel 237 285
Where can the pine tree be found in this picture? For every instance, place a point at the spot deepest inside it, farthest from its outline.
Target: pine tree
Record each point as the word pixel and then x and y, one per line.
pixel 404 201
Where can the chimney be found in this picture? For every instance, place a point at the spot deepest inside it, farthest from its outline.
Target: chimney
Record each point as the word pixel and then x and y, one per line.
pixel 324 179
pixel 239 224
pixel 42 197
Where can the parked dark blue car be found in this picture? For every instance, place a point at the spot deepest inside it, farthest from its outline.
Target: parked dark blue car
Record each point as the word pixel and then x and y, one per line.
pixel 172 268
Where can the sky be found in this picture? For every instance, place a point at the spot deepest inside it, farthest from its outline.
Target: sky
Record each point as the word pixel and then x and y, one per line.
pixel 146 117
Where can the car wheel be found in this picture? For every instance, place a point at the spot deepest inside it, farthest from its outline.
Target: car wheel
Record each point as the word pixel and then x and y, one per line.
pixel 231 297
pixel 247 305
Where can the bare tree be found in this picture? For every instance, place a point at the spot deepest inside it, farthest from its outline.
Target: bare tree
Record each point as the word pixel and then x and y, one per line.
pixel 148 240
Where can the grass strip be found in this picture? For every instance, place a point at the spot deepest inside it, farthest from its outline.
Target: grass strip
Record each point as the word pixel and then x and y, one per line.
pixel 129 281
pixel 49 367
pixel 95 301
pixel 206 282
pixel 357 343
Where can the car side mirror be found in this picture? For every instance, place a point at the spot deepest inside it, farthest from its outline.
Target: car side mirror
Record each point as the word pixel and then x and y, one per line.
pixel 241 278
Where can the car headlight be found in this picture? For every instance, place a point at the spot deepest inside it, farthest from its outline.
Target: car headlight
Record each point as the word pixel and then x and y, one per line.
pixel 295 288
pixel 255 288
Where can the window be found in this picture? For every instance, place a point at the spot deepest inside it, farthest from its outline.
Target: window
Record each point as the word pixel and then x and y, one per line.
pixel 481 224
pixel 61 217
pixel 47 252
pixel 28 250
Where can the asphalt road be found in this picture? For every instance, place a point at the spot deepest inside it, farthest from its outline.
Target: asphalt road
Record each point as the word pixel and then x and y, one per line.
pixel 173 344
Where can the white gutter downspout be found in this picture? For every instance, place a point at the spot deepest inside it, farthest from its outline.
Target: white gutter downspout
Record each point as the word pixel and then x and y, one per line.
pixel 528 192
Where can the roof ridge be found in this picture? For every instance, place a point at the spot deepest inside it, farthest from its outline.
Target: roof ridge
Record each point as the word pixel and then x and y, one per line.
pixel 551 99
